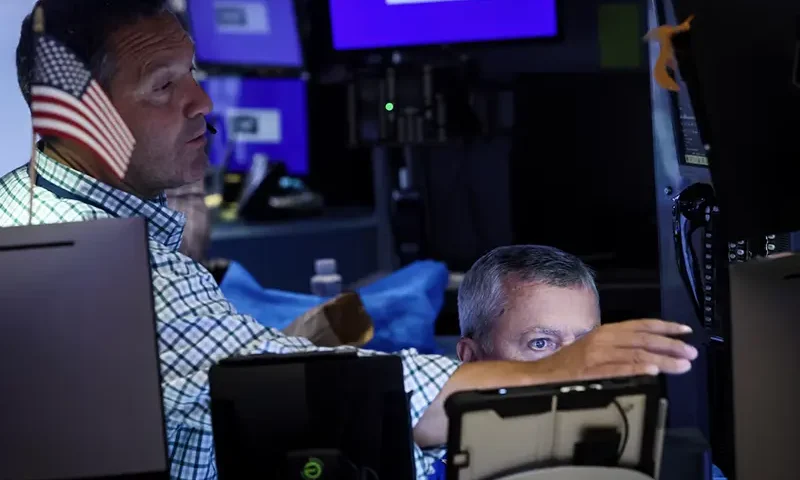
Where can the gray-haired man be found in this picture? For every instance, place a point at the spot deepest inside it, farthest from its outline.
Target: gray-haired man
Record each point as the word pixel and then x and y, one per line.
pixel 525 302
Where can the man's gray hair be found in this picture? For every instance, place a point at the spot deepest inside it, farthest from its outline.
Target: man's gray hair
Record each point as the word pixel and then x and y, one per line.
pixel 482 294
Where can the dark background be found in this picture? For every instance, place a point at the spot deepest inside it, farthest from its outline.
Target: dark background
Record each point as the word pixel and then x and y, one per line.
pixel 574 168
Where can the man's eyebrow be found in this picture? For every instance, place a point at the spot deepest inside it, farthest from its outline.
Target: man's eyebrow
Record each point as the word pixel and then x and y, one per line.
pixel 152 69
pixel 559 332
pixel 161 68
pixel 546 331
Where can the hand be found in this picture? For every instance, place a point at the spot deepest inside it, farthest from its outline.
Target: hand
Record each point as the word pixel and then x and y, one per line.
pixel 635 347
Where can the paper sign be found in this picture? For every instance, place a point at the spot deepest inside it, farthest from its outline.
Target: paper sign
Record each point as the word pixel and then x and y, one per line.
pixel 254 125
pixel 242 18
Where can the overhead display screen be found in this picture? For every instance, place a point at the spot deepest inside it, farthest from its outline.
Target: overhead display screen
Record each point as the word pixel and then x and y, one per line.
pixel 371 24
pixel 254 33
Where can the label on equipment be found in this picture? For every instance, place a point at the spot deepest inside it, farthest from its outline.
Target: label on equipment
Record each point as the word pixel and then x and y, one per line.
pixel 254 125
pixel 242 18
pixel 693 148
pixel 700 160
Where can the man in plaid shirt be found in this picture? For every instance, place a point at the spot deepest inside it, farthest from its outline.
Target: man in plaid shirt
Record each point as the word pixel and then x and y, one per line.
pixel 142 57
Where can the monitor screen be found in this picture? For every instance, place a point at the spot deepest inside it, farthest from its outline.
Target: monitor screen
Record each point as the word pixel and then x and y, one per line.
pixel 81 394
pixel 749 120
pixel 253 33
pixel 259 116
pixel 367 24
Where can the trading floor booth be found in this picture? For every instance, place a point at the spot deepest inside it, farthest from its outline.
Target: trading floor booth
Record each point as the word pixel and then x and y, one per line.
pixel 724 141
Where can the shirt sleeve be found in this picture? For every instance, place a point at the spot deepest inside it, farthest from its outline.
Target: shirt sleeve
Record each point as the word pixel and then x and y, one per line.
pixel 198 327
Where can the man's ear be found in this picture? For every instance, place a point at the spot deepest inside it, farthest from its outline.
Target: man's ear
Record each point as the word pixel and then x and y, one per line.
pixel 468 350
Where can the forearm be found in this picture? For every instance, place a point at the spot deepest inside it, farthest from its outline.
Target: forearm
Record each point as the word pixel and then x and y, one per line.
pixel 431 430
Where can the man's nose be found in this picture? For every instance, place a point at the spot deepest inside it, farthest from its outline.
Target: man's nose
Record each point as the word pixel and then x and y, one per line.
pixel 567 340
pixel 200 103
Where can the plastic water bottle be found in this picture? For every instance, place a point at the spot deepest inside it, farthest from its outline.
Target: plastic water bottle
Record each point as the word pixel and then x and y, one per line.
pixel 326 282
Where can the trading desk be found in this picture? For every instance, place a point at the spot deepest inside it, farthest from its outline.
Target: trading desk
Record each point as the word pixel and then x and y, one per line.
pixel 281 255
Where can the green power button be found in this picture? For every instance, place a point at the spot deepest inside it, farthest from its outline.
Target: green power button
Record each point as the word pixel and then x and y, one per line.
pixel 312 470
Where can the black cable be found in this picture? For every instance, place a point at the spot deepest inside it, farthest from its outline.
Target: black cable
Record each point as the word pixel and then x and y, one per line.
pixel 363 473
pixel 369 474
pixel 626 425
pixel 687 260
pixel 465 178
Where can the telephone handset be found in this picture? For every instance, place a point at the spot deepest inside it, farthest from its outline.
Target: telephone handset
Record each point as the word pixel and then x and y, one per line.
pixel 694 208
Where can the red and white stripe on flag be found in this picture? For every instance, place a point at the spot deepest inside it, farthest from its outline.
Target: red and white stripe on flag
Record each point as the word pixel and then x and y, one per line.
pixel 90 119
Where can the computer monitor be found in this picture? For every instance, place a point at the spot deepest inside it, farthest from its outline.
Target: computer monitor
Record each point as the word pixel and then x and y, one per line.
pixel 248 33
pixel 375 24
pixel 79 367
pixel 259 116
pixel 314 415
pixel 765 298
pixel 742 67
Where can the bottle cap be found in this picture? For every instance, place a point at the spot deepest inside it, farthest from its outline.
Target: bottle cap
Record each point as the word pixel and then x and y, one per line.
pixel 403 179
pixel 325 266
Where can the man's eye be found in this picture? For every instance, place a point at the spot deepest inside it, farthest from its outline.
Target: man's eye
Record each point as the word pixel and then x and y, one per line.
pixel 538 344
pixel 165 86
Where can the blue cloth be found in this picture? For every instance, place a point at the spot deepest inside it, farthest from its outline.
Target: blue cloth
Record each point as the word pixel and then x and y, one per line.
pixel 403 305
pixel 439 471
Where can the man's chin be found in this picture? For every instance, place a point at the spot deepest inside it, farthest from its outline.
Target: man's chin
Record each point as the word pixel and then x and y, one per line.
pixel 197 169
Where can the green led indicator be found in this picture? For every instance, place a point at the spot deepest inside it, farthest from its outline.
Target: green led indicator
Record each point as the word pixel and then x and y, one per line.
pixel 389 107
pixel 312 470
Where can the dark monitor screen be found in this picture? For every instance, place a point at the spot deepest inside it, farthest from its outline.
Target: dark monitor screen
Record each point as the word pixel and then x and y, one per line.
pixel 253 33
pixel 79 369
pixel 744 56
pixel 370 24
pixel 765 298
pixel 259 116
pixel 356 406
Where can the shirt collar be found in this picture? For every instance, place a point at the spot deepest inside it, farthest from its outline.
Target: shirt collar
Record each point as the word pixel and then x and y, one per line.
pixel 164 225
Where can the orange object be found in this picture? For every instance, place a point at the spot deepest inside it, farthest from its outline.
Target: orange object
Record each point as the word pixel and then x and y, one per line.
pixel 666 57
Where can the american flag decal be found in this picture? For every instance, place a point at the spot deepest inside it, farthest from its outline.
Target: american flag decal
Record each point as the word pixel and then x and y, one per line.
pixel 67 102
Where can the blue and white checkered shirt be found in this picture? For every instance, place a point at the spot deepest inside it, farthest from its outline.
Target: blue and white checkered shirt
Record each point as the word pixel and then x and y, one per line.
pixel 196 324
